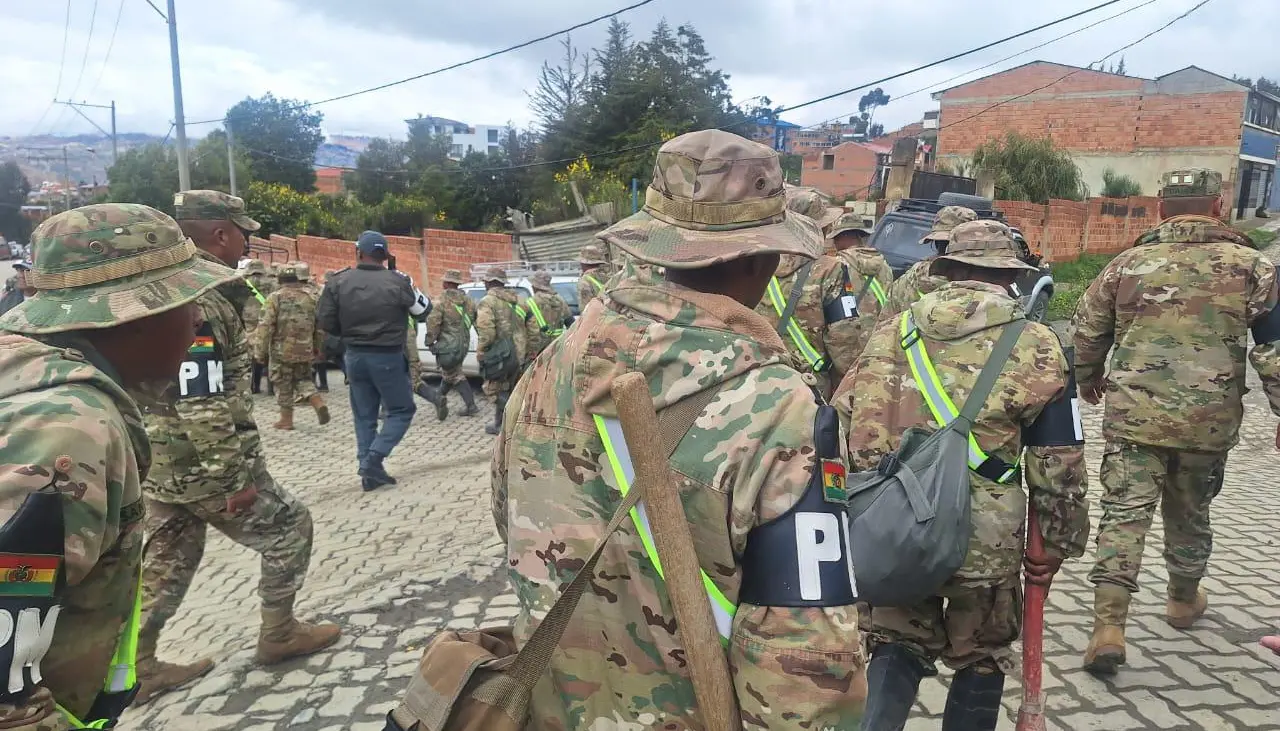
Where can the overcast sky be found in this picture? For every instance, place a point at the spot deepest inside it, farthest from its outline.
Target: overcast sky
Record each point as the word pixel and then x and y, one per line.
pixel 789 50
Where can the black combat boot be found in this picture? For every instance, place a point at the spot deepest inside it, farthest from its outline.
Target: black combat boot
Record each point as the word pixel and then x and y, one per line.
pixel 468 397
pixel 322 377
pixel 973 703
pixel 371 469
pixel 893 679
pixel 498 408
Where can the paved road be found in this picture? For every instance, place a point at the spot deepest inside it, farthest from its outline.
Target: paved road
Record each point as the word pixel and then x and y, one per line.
pixel 395 565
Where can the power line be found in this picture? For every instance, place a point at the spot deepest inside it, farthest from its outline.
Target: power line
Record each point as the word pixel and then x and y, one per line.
pixel 88 44
pixel 110 45
pixel 997 62
pixel 158 11
pixel 460 64
pixel 66 27
pixel 1073 72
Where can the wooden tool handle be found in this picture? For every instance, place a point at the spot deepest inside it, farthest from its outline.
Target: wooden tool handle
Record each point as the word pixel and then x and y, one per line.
pixel 708 666
pixel 1031 714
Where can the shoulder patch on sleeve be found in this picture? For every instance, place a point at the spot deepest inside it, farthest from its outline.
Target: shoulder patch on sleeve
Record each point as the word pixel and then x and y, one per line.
pixel 201 372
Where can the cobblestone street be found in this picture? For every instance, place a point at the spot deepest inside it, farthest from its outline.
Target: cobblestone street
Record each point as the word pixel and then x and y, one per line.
pixel 395 565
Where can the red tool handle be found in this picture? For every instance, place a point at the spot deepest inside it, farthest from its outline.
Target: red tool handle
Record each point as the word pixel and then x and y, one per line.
pixel 1031 714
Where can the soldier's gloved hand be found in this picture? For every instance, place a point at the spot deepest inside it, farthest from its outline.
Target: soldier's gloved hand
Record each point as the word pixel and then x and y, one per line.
pixel 1092 391
pixel 242 502
pixel 1041 569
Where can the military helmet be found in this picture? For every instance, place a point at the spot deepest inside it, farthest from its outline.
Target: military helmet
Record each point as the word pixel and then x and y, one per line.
pixel 107 264
pixel 715 197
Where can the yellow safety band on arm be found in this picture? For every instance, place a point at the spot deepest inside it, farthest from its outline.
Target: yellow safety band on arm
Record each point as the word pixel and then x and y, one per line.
pixel 465 318
pixel 537 313
pixel 615 449
pixel 935 396
pixel 877 291
pixel 261 300
pixel 815 359
pixel 122 675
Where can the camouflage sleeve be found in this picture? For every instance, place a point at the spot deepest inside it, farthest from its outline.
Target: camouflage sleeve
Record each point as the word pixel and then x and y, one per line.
pixel 1095 323
pixel 266 330
pixel 498 465
pixel 327 310
pixel 840 339
pixel 486 327
pixel 901 295
pixel 435 320
pixel 1056 479
pixel 1265 357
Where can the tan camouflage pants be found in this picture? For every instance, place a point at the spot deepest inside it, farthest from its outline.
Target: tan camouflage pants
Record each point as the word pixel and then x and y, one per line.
pixel 963 626
pixel 493 388
pixel 293 382
pixel 278 527
pixel 453 376
pixel 1135 477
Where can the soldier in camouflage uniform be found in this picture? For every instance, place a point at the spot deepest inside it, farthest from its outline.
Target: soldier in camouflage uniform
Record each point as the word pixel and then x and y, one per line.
pixel 546 315
pixel 497 317
pixel 114 308
pixel 1176 308
pixel 261 284
pixel 809 202
pixel 871 275
pixel 595 272
pixel 320 366
pixel 745 465
pixel 917 281
pixel 209 469
pixel 823 331
pixel 449 327
pixel 289 339
pixel 977 615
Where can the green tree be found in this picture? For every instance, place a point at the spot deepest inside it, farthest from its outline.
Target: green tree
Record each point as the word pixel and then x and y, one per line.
pixel 561 88
pixel 867 111
pixel 1030 169
pixel 14 188
pixel 209 169
pixel 1115 185
pixel 146 175
pixel 280 138
pixel 380 171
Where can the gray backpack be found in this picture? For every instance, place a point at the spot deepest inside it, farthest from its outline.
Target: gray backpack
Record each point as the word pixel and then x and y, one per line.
pixel 910 515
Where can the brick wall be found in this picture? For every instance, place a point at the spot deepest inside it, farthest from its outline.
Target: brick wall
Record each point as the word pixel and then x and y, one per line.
pixel 461 249
pixel 852 170
pixel 1063 230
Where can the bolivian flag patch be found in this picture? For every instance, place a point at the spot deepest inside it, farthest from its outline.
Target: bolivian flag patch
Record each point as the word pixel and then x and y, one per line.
pixel 28 575
pixel 833 489
pixel 202 344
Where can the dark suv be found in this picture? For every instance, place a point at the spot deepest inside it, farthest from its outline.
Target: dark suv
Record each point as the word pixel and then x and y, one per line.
pixel 897 237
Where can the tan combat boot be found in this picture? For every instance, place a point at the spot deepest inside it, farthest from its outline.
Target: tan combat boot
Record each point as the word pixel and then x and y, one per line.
pixel 1106 647
pixel 286 419
pixel 156 677
pixel 283 637
pixel 1187 602
pixel 322 411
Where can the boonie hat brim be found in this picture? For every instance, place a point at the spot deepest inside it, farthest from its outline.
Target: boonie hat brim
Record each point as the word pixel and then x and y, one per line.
pixel 989 262
pixel 118 301
pixel 664 244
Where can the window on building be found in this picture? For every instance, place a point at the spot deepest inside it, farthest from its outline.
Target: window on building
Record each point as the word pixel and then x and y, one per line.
pixel 1263 112
pixel 455 150
pixel 493 135
pixel 828 162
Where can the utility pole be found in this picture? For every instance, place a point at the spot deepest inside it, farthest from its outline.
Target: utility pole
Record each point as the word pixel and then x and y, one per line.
pixel 66 176
pixel 231 159
pixel 75 107
pixel 179 123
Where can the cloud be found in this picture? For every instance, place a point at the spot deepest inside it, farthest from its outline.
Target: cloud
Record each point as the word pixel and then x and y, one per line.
pixel 789 51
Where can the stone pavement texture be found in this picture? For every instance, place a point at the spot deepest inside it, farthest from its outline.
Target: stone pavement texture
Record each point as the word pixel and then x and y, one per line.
pixel 395 565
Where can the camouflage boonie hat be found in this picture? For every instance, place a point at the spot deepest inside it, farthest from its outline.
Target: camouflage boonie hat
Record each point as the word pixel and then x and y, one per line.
pixel 591 254
pixel 849 222
pixel 947 219
pixel 212 205
pixel 304 271
pixel 290 269
pixel 255 266
pixel 103 265
pixel 495 274
pixel 811 203
pixel 541 282
pixel 987 244
pixel 452 276
pixel 715 197
pixel 1192 229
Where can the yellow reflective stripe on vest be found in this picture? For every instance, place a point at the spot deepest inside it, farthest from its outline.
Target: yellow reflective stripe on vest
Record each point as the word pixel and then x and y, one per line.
pixel 542 321
pixel 261 300
pixel 122 674
pixel 940 404
pixel 461 311
pixel 615 449
pixel 594 282
pixel 878 291
pixel 816 361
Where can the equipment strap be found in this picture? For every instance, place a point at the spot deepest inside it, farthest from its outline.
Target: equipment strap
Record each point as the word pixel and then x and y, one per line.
pixel 594 282
pixel 122 674
pixel 258 295
pixel 787 324
pixel 944 409
pixel 465 318
pixel 877 291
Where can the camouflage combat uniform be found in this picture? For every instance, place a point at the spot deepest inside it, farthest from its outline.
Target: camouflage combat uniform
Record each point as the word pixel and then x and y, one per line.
pixel 289 339
pixel 75 450
pixel 261 284
pixel 451 322
pixel 553 311
pixel 1176 307
pixel 977 615
pixel 496 317
pixel 595 272
pixel 917 281
pixel 206 449
pixel 749 461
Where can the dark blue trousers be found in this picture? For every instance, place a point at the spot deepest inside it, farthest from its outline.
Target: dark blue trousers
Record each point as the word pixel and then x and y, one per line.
pixel 379 378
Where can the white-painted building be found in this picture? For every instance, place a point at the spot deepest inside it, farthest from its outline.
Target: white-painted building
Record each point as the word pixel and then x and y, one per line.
pixel 466 138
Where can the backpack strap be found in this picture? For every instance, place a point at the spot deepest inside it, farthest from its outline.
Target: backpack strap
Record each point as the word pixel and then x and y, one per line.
pixel 535 657
pixel 991 371
pixel 793 300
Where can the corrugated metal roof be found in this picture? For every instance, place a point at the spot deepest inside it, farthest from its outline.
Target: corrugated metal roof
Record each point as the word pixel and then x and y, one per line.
pixel 557 241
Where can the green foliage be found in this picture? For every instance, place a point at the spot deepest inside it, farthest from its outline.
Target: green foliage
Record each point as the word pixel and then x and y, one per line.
pixel 208 161
pixel 146 175
pixel 1264 85
pixel 14 187
pixel 1071 279
pixel 1030 169
pixel 280 139
pixel 380 171
pixel 791 166
pixel 1262 238
pixel 1119 186
pixel 283 210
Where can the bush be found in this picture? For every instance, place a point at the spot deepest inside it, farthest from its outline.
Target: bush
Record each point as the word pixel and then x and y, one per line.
pixel 1029 169
pixel 1119 186
pixel 1262 238
pixel 1071 279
